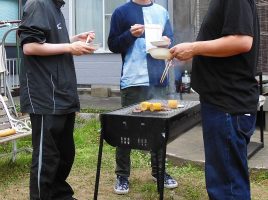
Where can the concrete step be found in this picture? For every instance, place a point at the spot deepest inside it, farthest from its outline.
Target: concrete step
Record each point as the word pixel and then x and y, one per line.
pixel 99 91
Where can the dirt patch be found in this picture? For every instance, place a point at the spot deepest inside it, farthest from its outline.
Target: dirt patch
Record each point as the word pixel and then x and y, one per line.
pixel 141 187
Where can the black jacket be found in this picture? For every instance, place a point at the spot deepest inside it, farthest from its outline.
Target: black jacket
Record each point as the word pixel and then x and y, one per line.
pixel 47 83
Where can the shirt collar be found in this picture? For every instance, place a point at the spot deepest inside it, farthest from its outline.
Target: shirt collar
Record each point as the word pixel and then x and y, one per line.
pixel 146 5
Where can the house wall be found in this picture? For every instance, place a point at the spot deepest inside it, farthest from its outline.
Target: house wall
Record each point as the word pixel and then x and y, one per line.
pixel 8 11
pixel 162 2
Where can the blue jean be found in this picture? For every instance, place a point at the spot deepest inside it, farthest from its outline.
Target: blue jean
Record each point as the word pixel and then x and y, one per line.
pixel 225 140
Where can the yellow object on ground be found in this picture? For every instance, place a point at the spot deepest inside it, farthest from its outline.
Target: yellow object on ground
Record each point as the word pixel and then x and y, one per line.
pixel 7 132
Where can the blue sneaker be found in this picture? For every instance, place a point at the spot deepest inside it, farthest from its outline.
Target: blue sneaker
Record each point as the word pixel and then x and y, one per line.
pixel 169 182
pixel 121 185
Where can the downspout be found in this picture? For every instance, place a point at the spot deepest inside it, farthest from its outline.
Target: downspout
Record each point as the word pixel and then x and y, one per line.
pixel 171 84
pixel 71 17
pixel 20 9
pixel 170 11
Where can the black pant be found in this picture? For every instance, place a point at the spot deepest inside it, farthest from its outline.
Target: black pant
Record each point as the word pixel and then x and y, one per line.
pixel 131 96
pixel 52 157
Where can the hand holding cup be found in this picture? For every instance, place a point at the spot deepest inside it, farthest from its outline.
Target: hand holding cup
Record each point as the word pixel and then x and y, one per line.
pixel 137 30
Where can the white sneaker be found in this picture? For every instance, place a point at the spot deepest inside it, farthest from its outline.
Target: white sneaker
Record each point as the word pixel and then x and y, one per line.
pixel 169 182
pixel 121 185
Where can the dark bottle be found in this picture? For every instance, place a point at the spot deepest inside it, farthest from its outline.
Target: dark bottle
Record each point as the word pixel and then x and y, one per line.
pixel 185 82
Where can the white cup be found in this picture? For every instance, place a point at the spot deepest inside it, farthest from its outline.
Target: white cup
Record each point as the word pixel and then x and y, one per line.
pixel 153 32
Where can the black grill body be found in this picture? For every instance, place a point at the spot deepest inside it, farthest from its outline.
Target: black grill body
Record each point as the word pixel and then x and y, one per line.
pixel 146 131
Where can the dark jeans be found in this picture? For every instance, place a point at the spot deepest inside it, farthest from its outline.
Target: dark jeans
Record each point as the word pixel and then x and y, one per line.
pixel 131 96
pixel 225 139
pixel 52 157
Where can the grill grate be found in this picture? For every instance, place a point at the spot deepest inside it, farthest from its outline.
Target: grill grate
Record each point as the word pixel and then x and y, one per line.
pixel 128 111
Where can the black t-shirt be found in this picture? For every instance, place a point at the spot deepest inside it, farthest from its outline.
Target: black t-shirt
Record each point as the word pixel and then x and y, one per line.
pixel 229 82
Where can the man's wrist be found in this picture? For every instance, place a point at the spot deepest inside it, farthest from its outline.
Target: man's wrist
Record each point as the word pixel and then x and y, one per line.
pixel 67 48
pixel 196 48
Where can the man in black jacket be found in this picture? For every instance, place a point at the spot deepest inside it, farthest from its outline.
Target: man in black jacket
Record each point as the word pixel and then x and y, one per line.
pixel 49 94
pixel 225 59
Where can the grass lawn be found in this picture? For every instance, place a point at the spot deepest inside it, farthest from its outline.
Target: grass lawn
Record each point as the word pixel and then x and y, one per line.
pixel 14 177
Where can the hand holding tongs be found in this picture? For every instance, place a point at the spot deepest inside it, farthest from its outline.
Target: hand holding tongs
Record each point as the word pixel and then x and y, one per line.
pixel 165 72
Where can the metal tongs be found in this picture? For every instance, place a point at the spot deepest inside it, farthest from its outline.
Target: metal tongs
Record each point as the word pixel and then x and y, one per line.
pixel 165 72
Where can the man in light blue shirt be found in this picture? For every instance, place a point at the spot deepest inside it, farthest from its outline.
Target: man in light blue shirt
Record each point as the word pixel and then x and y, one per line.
pixel 140 75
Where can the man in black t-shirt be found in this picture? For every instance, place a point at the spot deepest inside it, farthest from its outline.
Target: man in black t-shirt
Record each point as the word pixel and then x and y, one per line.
pixel 224 68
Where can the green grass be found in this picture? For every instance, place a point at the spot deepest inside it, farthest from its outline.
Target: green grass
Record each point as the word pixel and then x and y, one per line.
pixel 11 172
pixel 259 175
pixel 93 110
pixel 190 177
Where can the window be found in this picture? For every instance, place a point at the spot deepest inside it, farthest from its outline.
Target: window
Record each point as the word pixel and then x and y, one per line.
pixel 8 11
pixel 95 15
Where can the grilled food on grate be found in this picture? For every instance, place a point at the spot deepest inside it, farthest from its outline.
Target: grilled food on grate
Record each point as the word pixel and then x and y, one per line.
pixel 173 104
pixel 156 106
pixel 145 105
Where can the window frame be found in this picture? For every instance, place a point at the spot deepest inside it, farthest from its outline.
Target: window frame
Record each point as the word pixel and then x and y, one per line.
pixel 72 30
pixel 19 11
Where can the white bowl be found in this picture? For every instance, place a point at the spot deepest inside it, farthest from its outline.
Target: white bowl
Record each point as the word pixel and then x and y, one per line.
pixel 160 43
pixel 160 53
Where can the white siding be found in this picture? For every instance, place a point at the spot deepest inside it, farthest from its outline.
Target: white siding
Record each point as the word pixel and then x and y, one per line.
pixel 98 69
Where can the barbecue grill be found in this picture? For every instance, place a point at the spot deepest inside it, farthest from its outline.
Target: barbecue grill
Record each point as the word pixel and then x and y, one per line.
pixel 146 130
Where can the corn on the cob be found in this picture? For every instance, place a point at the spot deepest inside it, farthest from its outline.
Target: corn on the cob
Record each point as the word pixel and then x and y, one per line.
pixel 172 104
pixel 145 105
pixel 155 107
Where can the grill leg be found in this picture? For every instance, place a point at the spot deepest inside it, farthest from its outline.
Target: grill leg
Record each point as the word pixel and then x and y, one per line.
pixel 261 126
pixel 162 172
pixel 157 172
pixel 98 167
